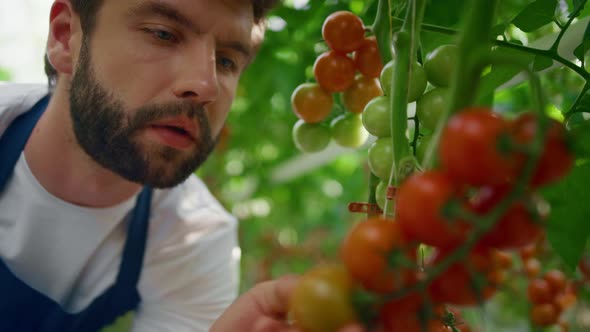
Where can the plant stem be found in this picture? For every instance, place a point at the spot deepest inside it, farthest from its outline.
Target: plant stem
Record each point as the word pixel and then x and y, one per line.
pixel 572 109
pixel 473 47
pixel 573 15
pixel 382 28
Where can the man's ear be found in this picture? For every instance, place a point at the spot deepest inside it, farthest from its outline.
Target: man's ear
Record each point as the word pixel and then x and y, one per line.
pixel 64 37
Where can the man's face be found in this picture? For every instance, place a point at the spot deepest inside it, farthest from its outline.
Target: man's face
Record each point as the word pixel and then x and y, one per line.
pixel 154 82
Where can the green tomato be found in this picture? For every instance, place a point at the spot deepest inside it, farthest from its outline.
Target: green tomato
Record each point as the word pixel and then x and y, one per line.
pixel 348 130
pixel 381 158
pixel 381 197
pixel 430 107
pixel 377 117
pixel 439 65
pixel 422 146
pixel 310 137
pixel 417 81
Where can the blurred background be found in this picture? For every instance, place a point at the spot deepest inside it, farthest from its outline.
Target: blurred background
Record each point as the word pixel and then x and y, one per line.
pixel 292 206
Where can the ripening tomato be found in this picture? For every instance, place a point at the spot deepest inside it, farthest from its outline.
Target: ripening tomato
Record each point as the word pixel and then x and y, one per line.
pixel 539 291
pixel 402 319
pixel 557 280
pixel 369 250
pixel 343 32
pixel 556 160
pixel 360 93
pixel 419 209
pixel 515 229
pixel 311 103
pixel 321 301
pixel 367 59
pixel 459 285
pixel 334 72
pixel 469 148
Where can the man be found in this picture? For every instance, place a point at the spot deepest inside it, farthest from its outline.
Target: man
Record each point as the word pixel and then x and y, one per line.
pixel 100 213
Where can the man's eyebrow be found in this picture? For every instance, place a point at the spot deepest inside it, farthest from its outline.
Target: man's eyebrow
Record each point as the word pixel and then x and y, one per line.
pixel 159 8
pixel 155 7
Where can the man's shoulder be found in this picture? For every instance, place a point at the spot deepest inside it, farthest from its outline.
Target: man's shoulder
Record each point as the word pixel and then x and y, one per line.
pixel 16 99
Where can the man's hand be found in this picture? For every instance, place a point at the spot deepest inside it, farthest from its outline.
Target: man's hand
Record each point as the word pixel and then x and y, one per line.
pixel 263 309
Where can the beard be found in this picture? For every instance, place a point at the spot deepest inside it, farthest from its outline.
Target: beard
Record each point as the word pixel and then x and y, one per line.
pixel 109 133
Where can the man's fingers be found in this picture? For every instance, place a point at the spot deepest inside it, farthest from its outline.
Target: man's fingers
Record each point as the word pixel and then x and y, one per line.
pixel 272 297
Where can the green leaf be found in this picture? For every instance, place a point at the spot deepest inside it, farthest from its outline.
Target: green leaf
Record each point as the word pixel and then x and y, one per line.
pixel 583 105
pixel 498 29
pixel 584 46
pixel 541 63
pixel 501 74
pixel 573 5
pixel 536 15
pixel 568 228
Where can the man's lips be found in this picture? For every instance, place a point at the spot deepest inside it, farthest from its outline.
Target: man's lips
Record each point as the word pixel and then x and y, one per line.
pixel 182 125
pixel 179 133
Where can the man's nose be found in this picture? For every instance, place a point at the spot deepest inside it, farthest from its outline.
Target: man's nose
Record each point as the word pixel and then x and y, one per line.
pixel 197 75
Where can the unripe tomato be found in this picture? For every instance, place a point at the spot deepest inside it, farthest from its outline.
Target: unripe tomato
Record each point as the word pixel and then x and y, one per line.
pixel 348 131
pixel 311 103
pixel 377 117
pixel 360 93
pixel 334 72
pixel 556 160
pixel 343 32
pixel 417 82
pixel 431 106
pixel 419 205
pixel 422 146
pixel 381 158
pixel 367 250
pixel 440 64
pixel 321 301
pixel 310 137
pixel 367 59
pixel 469 148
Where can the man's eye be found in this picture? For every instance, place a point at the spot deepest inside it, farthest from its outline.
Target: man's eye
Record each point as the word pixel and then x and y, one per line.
pixel 226 63
pixel 162 35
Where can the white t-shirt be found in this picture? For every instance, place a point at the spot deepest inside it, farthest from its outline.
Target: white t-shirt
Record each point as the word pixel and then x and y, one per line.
pixel 72 253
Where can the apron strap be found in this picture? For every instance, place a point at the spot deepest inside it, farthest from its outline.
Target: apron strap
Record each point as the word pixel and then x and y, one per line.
pixel 14 139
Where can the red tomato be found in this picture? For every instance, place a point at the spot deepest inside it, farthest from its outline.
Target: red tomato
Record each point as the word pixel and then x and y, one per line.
pixel 556 160
pixel 410 321
pixel 343 32
pixel 469 148
pixel 419 204
pixel 539 291
pixel 457 284
pixel 515 229
pixel 311 103
pixel 334 72
pixel 368 250
pixel 367 59
pixel 544 314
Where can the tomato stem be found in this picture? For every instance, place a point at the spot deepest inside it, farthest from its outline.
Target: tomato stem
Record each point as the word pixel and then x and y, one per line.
pixel 382 28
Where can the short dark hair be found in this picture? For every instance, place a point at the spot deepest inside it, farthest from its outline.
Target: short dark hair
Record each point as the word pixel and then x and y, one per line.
pixel 87 10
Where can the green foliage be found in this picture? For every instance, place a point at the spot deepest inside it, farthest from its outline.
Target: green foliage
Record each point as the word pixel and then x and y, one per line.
pixel 536 15
pixel 568 229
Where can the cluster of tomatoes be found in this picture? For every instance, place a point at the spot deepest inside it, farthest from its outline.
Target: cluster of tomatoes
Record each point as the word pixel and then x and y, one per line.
pixel 441 208
pixel 335 72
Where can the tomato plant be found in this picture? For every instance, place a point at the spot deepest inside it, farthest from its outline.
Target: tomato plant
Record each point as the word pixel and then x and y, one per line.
pixel 367 59
pixel 376 117
pixel 440 64
pixel 430 107
pixel 380 158
pixel 417 82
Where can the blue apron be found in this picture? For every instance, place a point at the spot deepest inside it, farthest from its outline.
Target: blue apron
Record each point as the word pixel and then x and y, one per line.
pixel 24 309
